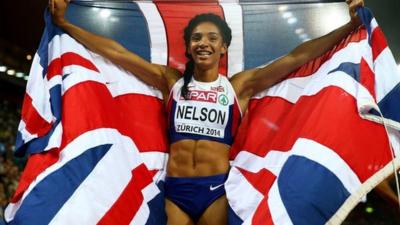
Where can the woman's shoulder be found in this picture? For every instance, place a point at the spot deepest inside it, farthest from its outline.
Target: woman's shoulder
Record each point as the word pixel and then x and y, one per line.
pixel 172 75
pixel 241 77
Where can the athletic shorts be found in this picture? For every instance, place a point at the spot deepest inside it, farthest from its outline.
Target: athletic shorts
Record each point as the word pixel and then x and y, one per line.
pixel 194 194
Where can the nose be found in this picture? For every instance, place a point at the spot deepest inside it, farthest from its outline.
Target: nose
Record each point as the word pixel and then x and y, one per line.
pixel 203 42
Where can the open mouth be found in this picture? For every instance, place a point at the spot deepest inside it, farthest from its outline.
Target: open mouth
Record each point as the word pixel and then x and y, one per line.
pixel 203 53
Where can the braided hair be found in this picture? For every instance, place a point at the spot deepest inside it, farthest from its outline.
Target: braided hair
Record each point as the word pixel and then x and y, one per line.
pixel 226 37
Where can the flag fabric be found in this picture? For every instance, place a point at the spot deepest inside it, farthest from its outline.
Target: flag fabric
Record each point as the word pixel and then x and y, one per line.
pixel 312 146
pixel 96 140
pixel 307 151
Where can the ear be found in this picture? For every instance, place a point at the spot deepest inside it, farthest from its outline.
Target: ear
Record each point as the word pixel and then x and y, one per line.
pixel 224 48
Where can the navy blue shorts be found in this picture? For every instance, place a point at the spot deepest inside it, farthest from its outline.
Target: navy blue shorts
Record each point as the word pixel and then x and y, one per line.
pixel 194 194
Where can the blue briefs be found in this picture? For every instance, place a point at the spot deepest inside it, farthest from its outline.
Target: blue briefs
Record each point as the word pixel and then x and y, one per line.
pixel 194 194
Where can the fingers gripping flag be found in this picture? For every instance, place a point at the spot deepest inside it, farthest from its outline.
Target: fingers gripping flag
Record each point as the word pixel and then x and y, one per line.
pixel 312 146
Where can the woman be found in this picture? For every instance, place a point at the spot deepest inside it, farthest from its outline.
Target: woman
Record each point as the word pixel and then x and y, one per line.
pixel 204 107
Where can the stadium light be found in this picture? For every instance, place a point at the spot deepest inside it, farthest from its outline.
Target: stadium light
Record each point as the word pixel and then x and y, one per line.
pixel 283 8
pixel 299 31
pixel 28 57
pixel 287 15
pixel 369 209
pixel 11 72
pixel 292 20
pixel 3 68
pixel 105 13
pixel 19 74
pixel 303 36
pixel 114 19
pixel 334 19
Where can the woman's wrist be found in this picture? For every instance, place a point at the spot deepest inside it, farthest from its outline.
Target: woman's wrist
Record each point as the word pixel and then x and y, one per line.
pixel 355 22
pixel 61 22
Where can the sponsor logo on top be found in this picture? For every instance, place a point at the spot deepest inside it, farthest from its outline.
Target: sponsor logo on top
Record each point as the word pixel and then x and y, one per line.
pixel 203 96
pixel 223 100
pixel 218 89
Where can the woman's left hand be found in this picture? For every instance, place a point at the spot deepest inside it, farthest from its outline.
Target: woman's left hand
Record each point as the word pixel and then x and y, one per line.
pixel 353 5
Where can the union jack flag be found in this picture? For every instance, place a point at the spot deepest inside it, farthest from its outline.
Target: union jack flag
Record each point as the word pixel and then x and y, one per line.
pixel 307 151
pixel 312 146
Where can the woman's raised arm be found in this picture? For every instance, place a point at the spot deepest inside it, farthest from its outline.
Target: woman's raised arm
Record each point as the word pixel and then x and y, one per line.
pixel 250 82
pixel 158 76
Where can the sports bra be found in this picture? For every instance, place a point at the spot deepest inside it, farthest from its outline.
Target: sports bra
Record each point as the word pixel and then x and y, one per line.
pixel 211 112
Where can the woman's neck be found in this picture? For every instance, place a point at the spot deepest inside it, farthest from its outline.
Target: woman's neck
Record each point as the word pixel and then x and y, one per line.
pixel 207 75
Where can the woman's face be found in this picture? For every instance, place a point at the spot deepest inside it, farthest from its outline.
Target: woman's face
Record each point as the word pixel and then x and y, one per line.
pixel 206 45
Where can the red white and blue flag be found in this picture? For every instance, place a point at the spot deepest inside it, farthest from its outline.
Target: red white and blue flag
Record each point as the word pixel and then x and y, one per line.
pixel 307 151
pixel 311 147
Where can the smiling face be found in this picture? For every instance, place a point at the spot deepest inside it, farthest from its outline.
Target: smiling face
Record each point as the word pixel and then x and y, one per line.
pixel 206 46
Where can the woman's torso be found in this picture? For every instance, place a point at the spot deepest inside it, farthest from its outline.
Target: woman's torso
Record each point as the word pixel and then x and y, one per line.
pixel 202 128
pixel 192 158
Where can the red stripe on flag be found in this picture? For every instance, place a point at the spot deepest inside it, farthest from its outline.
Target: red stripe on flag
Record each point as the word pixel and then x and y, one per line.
pixel 37 163
pixel 262 215
pixel 312 66
pixel 236 117
pixel 91 106
pixel 129 202
pixel 367 77
pixel 35 124
pixel 262 181
pixel 176 19
pixel 68 59
pixel 87 106
pixel 260 123
pixel 330 118
pixel 54 68
pixel 144 120
pixel 378 42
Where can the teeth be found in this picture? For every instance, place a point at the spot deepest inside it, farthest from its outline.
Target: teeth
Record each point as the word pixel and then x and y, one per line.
pixel 204 53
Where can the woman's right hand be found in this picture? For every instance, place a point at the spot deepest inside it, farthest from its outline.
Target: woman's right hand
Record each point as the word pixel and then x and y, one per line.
pixel 57 9
pixel 158 76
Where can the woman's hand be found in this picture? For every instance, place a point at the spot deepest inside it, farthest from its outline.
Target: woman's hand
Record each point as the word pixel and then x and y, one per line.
pixel 353 5
pixel 57 9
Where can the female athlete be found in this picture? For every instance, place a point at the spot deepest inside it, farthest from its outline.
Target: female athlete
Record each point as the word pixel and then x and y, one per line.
pixel 204 107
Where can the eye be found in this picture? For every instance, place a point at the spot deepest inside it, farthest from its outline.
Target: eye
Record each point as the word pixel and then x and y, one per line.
pixel 195 37
pixel 213 37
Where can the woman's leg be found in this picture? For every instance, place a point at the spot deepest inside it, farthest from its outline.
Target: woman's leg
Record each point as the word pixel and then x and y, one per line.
pixel 175 215
pixel 216 213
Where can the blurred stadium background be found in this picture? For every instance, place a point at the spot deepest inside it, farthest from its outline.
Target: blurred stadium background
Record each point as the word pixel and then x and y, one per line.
pixel 21 26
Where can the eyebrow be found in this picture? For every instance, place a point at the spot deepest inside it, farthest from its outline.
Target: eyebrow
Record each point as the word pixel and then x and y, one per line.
pixel 197 33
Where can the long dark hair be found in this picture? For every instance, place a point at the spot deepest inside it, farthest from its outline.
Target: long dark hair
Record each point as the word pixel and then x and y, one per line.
pixel 226 37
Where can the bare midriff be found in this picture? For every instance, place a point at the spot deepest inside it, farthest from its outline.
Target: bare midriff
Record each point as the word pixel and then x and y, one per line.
pixel 194 158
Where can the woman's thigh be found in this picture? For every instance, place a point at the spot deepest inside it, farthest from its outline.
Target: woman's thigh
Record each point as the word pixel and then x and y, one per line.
pixel 175 215
pixel 216 213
